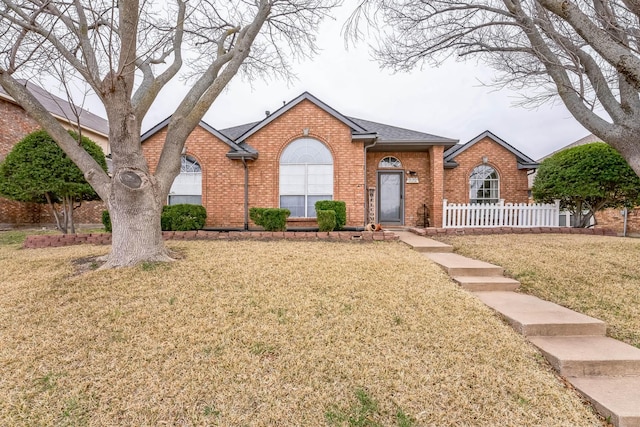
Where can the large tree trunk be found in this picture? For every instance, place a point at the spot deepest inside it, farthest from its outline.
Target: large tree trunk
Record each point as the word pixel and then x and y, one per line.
pixel 135 207
pixel 136 196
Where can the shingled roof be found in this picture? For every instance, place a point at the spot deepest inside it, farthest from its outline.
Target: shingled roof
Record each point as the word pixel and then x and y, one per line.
pixel 386 137
pixel 388 133
pixel 63 109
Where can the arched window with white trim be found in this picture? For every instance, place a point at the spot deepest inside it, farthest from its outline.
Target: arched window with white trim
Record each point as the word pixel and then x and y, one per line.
pixel 306 176
pixel 187 187
pixel 484 185
pixel 389 162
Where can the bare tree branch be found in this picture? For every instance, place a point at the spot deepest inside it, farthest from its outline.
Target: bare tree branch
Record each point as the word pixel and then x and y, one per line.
pixel 126 52
pixel 584 52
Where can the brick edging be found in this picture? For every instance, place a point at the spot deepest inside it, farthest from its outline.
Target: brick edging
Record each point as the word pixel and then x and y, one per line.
pixel 57 240
pixel 512 230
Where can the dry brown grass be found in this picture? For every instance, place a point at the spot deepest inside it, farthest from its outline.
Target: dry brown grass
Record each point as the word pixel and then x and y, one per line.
pixel 263 334
pixel 595 275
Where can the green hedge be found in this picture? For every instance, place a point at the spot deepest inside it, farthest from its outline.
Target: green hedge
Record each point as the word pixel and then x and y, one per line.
pixel 339 207
pixel 182 217
pixel 271 219
pixel 326 220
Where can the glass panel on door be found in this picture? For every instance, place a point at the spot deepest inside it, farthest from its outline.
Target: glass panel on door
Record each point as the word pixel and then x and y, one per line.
pixel 390 197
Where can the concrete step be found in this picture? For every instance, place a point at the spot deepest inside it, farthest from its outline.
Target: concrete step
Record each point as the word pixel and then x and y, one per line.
pixel 588 356
pixel 422 244
pixel 459 266
pixel 495 283
pixel 532 316
pixel 617 399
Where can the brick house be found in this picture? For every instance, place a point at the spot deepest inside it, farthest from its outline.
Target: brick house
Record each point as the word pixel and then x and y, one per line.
pixel 308 151
pixel 16 124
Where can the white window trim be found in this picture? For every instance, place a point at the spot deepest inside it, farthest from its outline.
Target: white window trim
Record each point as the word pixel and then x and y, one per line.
pixel 306 194
pixel 496 180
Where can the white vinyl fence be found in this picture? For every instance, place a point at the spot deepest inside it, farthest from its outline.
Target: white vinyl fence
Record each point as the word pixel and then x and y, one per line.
pixel 500 215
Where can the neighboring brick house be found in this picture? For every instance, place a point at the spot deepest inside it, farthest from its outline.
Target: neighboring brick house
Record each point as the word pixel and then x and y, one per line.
pixel 16 124
pixel 307 151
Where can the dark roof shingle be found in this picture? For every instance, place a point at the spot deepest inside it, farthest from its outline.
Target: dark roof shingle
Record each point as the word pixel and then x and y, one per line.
pixel 65 110
pixel 388 133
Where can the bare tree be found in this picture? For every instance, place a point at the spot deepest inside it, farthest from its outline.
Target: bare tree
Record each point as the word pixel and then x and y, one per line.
pixel 127 51
pixel 585 52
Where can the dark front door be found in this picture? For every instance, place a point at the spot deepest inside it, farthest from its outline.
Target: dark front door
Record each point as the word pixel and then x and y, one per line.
pixel 390 197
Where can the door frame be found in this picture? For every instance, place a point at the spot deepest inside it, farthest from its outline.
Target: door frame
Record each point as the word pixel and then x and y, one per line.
pixel 400 173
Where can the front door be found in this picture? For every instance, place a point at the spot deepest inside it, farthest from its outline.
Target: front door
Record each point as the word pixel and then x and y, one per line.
pixel 390 197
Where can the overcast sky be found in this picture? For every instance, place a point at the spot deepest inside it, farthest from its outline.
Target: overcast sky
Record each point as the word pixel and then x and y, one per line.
pixel 447 101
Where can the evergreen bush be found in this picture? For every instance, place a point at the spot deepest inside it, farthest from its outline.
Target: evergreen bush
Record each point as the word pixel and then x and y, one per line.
pixel 271 219
pixel 326 220
pixel 339 207
pixel 183 217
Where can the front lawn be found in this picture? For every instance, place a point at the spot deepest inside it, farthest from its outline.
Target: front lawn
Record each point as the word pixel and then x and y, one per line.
pixel 595 275
pixel 262 334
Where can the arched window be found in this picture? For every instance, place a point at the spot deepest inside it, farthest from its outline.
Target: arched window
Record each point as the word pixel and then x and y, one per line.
pixel 187 187
pixel 306 176
pixel 389 162
pixel 484 185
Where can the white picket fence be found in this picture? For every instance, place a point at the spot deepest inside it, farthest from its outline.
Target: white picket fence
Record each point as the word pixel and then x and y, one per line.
pixel 500 215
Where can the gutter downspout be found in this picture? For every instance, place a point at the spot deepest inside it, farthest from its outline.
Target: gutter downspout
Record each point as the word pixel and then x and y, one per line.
pixel 366 188
pixel 246 194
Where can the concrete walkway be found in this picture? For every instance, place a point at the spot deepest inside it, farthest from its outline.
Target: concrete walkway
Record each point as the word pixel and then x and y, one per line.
pixel 605 371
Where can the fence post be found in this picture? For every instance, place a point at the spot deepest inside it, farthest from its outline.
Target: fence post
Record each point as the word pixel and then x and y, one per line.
pixel 444 213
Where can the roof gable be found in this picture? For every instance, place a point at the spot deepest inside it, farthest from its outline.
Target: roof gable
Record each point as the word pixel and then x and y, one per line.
pixel 524 161
pixel 237 150
pixel 355 128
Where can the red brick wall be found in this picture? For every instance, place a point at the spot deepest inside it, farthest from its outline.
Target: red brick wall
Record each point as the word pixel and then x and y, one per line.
pixel 436 182
pixel 513 182
pixel 15 124
pixel 612 219
pixel 415 194
pixel 348 159
pixel 222 178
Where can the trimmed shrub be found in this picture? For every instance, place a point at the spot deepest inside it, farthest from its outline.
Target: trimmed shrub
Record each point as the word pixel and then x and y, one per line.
pixel 183 217
pixel 326 220
pixel 173 218
pixel 339 207
pixel 271 219
pixel 106 221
